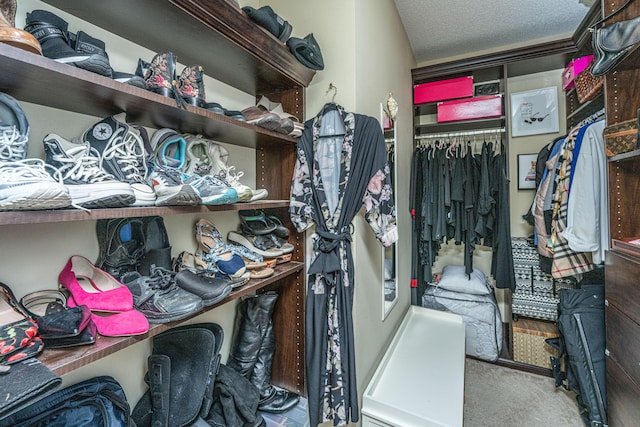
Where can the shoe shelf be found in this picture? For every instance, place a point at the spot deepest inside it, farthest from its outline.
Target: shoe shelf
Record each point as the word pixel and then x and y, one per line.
pixel 63 361
pixel 39 80
pixel 63 215
pixel 215 34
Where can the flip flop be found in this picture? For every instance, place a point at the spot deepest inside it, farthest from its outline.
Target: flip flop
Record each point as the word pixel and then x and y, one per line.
pixel 255 222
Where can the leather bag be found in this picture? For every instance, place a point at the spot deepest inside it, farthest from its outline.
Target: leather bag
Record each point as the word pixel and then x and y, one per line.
pixel 613 43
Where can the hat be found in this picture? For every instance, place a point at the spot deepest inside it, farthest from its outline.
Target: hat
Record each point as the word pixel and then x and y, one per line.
pixel 307 51
pixel 267 18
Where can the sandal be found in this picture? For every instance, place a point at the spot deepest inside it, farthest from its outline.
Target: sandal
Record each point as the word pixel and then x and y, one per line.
pixel 255 222
pixel 261 273
pixel 280 230
pixel 19 338
pixel 215 251
pixel 282 244
pixel 262 245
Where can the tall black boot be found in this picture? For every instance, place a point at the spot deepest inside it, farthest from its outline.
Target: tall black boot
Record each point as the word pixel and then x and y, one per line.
pixel 252 319
pixel 272 398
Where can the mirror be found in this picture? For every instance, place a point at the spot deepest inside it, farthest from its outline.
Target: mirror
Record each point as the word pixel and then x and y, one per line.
pixel 390 256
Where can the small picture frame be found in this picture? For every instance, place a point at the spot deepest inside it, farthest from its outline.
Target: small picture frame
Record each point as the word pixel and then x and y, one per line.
pixel 527 171
pixel 534 112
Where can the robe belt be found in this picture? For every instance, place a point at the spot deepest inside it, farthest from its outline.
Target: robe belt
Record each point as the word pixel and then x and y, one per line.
pixel 327 249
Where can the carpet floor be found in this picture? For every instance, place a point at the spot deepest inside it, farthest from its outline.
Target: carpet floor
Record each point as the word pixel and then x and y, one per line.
pixel 497 396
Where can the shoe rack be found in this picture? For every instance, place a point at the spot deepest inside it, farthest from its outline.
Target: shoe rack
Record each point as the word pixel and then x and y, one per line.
pixel 218 35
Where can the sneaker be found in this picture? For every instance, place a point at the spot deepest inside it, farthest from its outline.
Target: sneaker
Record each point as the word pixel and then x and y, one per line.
pixel 169 148
pixel 219 167
pixel 120 245
pixel 212 190
pixel 83 51
pixel 122 154
pixel 89 186
pixel 198 161
pixel 26 185
pixel 159 298
pixel 167 183
pixel 14 129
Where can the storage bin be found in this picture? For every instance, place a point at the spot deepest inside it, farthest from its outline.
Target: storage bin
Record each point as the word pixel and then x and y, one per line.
pixel 620 137
pixel 441 90
pixel 529 344
pixel 481 107
pixel 420 379
pixel 575 67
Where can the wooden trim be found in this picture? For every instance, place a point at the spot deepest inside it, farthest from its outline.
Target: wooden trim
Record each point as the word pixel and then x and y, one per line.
pixel 564 46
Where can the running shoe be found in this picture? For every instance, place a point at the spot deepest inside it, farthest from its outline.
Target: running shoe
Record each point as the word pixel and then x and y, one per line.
pixel 26 185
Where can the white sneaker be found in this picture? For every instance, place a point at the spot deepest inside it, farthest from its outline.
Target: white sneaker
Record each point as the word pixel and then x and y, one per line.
pixel 89 186
pixel 26 185
pixel 219 167
pixel 197 161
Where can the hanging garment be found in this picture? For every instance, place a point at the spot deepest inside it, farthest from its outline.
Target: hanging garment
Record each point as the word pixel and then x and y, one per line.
pixel 340 165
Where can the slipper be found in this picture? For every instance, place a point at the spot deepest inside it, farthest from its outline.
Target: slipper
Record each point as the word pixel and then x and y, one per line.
pixel 262 245
pixel 123 324
pixel 284 258
pixel 255 222
pixel 282 244
pixel 261 273
pixel 271 262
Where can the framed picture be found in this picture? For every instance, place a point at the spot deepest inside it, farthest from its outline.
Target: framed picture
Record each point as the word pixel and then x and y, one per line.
pixel 527 171
pixel 534 112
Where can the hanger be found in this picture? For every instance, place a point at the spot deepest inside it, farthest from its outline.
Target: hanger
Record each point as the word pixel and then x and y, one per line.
pixel 328 107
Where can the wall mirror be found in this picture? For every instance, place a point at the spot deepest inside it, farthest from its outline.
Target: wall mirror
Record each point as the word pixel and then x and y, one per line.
pixel 390 255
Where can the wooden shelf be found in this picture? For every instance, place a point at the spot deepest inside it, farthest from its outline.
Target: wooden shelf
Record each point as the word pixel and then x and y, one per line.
pixel 588 108
pixel 39 80
pixel 62 361
pixel 64 215
pixel 216 34
pixel 464 125
pixel 629 155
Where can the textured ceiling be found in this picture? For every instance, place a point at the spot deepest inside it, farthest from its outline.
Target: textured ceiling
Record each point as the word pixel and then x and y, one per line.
pixel 440 29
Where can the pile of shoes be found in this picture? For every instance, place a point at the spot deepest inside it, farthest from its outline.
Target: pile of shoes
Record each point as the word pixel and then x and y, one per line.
pixel 189 169
pixel 137 252
pixel 270 115
pixel 306 50
pixel 77 49
pixel 215 258
pixel 264 235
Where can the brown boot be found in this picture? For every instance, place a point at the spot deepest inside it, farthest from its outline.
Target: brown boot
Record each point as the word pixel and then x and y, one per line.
pixel 13 36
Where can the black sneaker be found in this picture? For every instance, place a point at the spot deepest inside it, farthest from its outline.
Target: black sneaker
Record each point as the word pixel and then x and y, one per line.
pixel 81 50
pixel 159 298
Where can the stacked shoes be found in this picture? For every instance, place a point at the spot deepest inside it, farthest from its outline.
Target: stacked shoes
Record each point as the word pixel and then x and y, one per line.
pixel 306 50
pixel 25 184
pixel 189 169
pixel 263 234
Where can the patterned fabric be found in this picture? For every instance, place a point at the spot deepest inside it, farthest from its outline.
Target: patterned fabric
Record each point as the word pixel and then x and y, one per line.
pixel 566 262
pixel 357 158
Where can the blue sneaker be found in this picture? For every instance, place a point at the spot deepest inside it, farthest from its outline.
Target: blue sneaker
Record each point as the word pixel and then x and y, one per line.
pixel 212 190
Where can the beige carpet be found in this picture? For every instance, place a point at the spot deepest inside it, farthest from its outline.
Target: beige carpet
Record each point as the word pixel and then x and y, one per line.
pixel 496 396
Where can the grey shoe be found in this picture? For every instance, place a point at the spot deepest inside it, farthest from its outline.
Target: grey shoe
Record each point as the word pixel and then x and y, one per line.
pixel 14 129
pixel 159 298
pixel 212 290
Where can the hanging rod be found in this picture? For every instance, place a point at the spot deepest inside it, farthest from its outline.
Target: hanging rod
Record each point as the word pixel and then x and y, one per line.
pixel 462 133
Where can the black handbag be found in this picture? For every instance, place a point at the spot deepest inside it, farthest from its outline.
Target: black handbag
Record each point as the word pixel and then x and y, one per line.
pixel 613 43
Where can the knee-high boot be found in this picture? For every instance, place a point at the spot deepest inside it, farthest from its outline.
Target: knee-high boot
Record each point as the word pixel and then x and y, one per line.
pixel 252 319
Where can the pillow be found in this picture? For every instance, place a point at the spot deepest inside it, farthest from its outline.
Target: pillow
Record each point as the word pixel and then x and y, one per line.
pixel 456 280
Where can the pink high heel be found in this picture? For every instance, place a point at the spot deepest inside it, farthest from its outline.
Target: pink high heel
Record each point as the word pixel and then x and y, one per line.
pixel 93 287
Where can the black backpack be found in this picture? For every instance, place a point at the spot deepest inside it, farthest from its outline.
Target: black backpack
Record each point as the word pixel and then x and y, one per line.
pixel 98 401
pixel 581 347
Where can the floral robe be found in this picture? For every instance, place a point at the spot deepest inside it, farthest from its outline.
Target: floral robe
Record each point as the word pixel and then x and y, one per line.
pixel 341 165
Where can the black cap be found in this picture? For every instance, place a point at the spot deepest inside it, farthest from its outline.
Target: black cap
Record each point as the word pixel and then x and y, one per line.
pixel 307 51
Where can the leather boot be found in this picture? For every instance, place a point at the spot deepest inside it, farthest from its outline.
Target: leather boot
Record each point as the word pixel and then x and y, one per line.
pixel 160 76
pixel 191 85
pixel 252 319
pixel 13 36
pixel 272 399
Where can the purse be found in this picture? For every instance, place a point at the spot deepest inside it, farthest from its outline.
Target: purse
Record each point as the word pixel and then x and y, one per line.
pixel 613 43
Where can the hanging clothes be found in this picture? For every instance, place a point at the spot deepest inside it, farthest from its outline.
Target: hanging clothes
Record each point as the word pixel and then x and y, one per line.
pixel 341 165
pixel 461 196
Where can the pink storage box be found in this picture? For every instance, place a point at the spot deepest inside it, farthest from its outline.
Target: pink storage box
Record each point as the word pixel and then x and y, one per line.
pixel 460 87
pixel 575 67
pixel 481 107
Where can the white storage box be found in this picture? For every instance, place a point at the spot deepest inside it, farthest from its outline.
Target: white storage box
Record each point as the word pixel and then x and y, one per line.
pixel 420 380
